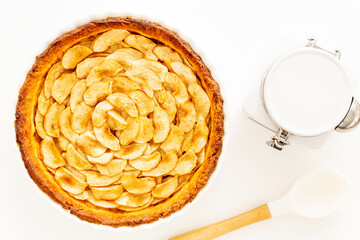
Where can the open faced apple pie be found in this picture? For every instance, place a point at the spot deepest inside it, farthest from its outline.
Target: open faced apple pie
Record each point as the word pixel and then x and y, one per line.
pixel 120 122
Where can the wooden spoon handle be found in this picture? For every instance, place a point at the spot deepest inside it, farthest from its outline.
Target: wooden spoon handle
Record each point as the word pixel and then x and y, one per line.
pixel 220 228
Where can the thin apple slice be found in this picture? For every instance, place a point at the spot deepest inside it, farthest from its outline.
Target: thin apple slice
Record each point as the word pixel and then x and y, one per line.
pixel 146 131
pixel 115 121
pixel 176 86
pixel 97 92
pixel 96 179
pixel 106 68
pixel 167 55
pixel 69 182
pixel 114 167
pixel 83 69
pixel 103 159
pixel 62 86
pixel 105 40
pixel 65 125
pixel 167 163
pixel 122 84
pixel 99 115
pixel 102 203
pixel 90 145
pixel 77 94
pixel 51 156
pixel 131 151
pixel 186 116
pixel 162 125
pixel 39 124
pixel 145 163
pixel 164 190
pixel 142 44
pixel 185 164
pixel 159 69
pixel 63 142
pixel 200 137
pixel 143 102
pixel 131 131
pixel 122 102
pixel 200 99
pixel 81 117
pixel 74 55
pixel 147 75
pixel 76 160
pixel 168 103
pixel 131 200
pixel 54 73
pixel 174 140
pixel 125 56
pixel 107 193
pixel 106 138
pixel 51 119
pixel 43 103
pixel 185 72
pixel 136 185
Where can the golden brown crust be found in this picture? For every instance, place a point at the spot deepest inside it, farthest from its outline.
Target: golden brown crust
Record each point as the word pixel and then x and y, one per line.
pixel 28 140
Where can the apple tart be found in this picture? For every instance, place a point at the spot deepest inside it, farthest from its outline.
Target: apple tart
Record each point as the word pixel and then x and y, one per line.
pixel 120 122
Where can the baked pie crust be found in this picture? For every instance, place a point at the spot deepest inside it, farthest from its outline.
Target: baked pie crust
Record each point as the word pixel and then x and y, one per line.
pixel 106 169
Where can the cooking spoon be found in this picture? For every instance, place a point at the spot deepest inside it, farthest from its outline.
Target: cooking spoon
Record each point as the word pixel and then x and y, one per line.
pixel 317 194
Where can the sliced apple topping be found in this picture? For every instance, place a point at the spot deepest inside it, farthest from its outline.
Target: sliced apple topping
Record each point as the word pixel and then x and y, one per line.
pixel 51 119
pixel 144 103
pixel 122 84
pixel 63 142
pixel 89 145
pixel 69 182
pixel 39 124
pixel 142 44
pixel 105 40
pixel 187 140
pixel 186 116
pixel 185 72
pixel 54 73
pixel 164 190
pixel 131 151
pixel 132 200
pixel 176 86
pixel 147 75
pixel 200 137
pixel 74 55
pixel 103 159
pixel 145 163
pixel 62 86
pixel 83 69
pixel 65 125
pixel 99 115
pixel 124 103
pixel 82 196
pixel 159 69
pixel 136 185
pixel 167 55
pixel 96 179
pixel 102 203
pixel 144 86
pixel 168 103
pixel 173 140
pixel 106 68
pixel 115 121
pixel 162 125
pixel 125 56
pixel 114 167
pixel 146 130
pixel 107 193
pixel 81 117
pixel 51 156
pixel 106 138
pixel 200 99
pixel 77 94
pixel 76 160
pixel 130 133
pixel 151 147
pixel 97 92
pixel 167 163
pixel 185 164
pixel 43 103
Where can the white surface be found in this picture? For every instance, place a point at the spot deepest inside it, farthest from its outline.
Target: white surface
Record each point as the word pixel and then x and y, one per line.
pixel 316 194
pixel 227 34
pixel 307 92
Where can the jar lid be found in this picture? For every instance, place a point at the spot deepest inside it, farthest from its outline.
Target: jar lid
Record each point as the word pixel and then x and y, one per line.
pixel 307 92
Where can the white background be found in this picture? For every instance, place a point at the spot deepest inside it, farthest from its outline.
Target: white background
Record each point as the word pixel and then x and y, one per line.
pixel 226 34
